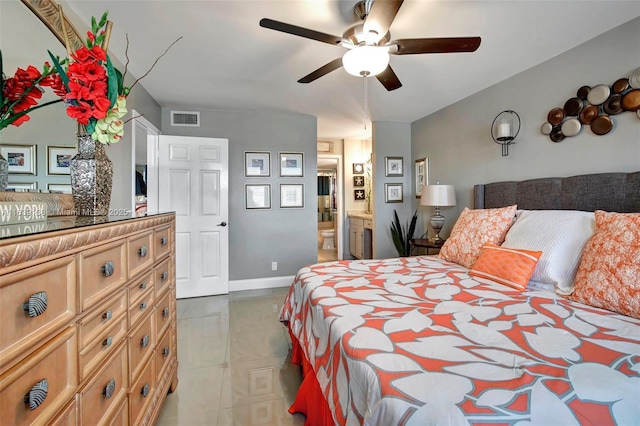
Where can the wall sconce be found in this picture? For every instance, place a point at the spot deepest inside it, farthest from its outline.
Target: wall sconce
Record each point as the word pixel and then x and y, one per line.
pixel 505 129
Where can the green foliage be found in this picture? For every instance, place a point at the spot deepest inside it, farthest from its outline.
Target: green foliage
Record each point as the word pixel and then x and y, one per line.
pixel 402 236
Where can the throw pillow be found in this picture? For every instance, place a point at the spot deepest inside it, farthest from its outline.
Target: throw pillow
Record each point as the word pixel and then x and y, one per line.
pixel 508 266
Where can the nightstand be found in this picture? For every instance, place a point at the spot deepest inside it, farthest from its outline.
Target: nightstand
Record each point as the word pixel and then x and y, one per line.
pixel 426 244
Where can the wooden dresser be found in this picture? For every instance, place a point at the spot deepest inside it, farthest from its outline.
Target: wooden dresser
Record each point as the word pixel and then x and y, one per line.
pixel 87 321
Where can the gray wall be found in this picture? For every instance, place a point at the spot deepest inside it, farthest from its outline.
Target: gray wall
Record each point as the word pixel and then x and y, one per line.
pixel 390 140
pixel 259 237
pixel 457 139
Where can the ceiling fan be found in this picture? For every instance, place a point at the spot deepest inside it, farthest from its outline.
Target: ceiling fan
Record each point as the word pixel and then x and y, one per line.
pixel 369 43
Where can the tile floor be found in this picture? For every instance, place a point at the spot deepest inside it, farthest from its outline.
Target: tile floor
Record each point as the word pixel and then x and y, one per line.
pixel 234 366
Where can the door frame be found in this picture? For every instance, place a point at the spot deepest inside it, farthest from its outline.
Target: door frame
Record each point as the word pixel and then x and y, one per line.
pixel 339 201
pixel 153 140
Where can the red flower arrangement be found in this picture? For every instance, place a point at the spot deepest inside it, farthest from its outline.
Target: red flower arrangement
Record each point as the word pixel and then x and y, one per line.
pixel 20 94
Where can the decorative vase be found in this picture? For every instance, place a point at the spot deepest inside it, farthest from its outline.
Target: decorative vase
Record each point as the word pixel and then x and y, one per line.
pixel 4 171
pixel 91 178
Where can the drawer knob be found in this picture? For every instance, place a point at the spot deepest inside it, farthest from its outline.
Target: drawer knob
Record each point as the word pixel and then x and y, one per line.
pixel 142 252
pixel 165 312
pixel 144 342
pixel 145 390
pixel 165 351
pixel 164 276
pixel 143 306
pixel 163 241
pixel 107 315
pixel 36 305
pixel 107 342
pixel 108 269
pixel 37 394
pixel 143 286
pixel 109 389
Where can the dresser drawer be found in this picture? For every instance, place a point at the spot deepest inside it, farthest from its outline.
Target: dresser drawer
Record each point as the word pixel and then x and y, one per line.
pixel 164 313
pixel 141 393
pixel 142 341
pixel 36 372
pixel 140 248
pixel 164 352
pixel 100 319
pixel 103 394
pixel 121 416
pixel 22 329
pixel 163 276
pixel 102 270
pixel 140 307
pixel 162 241
pixel 139 288
pixel 101 347
pixel 68 416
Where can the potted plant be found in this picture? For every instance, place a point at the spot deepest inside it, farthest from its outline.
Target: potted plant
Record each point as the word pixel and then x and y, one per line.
pixel 402 236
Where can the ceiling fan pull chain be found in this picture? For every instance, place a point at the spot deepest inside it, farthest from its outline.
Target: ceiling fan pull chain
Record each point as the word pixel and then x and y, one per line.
pixel 366 103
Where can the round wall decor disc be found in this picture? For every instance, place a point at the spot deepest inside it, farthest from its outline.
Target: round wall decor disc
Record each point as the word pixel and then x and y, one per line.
pixel 583 92
pixel 634 79
pixel 598 94
pixel 555 116
pixel 613 105
pixel 588 114
pixel 571 127
pixel 556 135
pixel 573 106
pixel 546 128
pixel 620 85
pixel 601 125
pixel 631 100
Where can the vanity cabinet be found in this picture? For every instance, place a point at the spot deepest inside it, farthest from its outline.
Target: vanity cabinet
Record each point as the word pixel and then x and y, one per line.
pixel 360 237
pixel 88 317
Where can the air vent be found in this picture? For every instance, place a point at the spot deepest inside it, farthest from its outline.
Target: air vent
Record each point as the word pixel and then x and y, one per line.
pixel 185 118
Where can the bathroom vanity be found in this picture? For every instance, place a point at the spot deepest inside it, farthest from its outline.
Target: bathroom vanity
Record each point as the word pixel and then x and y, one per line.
pixel 360 235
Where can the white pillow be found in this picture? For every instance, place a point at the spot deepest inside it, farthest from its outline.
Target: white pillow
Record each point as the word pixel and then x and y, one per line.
pixel 561 236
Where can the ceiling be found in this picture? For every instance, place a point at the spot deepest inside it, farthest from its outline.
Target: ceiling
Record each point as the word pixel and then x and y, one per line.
pixel 227 61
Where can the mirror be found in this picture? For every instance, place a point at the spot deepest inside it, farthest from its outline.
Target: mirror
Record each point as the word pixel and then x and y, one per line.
pixel 24 41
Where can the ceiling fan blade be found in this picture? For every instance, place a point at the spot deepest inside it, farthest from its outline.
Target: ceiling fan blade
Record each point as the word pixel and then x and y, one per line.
pixel 326 69
pixel 389 79
pixel 300 31
pixel 380 17
pixel 413 46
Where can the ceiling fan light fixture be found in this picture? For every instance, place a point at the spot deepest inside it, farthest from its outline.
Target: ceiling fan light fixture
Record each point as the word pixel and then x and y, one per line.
pixel 366 61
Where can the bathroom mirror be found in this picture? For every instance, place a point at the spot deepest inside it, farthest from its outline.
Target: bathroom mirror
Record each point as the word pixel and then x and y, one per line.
pixel 24 41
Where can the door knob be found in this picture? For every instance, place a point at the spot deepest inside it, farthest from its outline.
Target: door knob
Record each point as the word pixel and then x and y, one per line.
pixel 223 224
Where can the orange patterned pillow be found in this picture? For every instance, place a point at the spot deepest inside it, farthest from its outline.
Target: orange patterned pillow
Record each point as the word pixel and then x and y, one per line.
pixel 508 266
pixel 473 229
pixel 609 273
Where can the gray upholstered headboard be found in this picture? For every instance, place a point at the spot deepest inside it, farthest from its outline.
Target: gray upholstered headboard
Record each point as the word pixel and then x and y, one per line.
pixel 619 192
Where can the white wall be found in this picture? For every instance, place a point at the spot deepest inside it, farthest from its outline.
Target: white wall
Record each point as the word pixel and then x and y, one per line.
pixel 458 142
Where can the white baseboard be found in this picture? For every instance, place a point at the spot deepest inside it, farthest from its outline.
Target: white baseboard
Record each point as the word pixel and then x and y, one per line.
pixel 260 283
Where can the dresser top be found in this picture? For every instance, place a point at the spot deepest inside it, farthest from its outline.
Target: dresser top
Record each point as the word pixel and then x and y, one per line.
pixel 60 223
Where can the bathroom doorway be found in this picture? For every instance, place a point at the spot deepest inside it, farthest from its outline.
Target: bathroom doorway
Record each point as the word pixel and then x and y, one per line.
pixel 330 209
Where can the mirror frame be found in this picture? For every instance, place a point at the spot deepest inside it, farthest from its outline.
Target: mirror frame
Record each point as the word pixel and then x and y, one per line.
pixel 51 14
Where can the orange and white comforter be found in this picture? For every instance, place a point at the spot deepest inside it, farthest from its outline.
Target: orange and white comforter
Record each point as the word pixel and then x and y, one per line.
pixel 416 341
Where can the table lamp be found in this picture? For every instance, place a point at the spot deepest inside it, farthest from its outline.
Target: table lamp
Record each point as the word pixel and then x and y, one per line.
pixel 439 196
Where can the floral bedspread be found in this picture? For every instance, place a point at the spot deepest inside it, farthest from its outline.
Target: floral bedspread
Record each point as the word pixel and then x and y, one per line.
pixel 416 341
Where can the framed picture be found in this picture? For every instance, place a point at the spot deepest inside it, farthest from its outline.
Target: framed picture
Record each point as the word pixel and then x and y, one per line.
pixel 257 164
pixel 22 187
pixel 422 175
pixel 358 195
pixel 358 168
pixel 292 196
pixel 393 166
pixel 392 192
pixel 291 164
pixel 257 196
pixel 59 188
pixel 21 158
pixel 358 181
pixel 59 159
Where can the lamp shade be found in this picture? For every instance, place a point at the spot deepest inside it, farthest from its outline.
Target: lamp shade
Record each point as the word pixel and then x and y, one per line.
pixel 438 195
pixel 366 61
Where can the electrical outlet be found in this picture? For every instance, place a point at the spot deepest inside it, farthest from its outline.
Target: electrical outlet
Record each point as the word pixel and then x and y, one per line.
pixel 274 266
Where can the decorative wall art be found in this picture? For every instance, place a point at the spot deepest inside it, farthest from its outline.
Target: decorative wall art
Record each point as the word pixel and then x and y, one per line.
pixel 59 159
pixel 358 195
pixel 21 158
pixel 257 164
pixel 594 107
pixel 393 166
pixel 422 175
pixel 358 168
pixel 291 164
pixel 292 196
pixel 392 192
pixel 59 188
pixel 257 196
pixel 358 181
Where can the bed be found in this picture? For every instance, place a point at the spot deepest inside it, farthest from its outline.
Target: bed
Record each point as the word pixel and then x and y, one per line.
pixel 425 340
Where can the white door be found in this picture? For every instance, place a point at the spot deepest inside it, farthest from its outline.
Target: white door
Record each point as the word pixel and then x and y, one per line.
pixel 194 183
